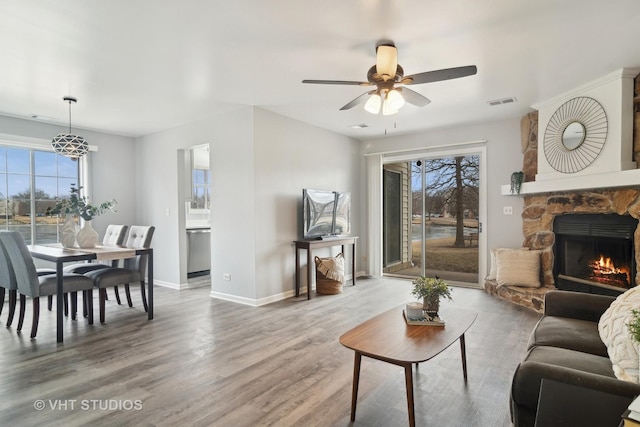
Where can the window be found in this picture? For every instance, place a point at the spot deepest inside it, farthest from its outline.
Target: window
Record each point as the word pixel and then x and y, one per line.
pixel 30 181
pixel 201 190
pixel 200 180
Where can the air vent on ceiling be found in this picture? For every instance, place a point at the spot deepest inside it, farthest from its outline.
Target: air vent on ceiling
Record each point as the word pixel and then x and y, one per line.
pixel 502 101
pixel 360 126
pixel 40 117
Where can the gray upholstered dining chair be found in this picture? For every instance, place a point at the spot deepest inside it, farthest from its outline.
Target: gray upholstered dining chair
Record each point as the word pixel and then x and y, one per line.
pixel 7 283
pixel 133 270
pixel 114 236
pixel 29 284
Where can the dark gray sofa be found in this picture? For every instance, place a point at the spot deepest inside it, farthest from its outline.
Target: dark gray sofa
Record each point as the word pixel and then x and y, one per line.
pixel 565 346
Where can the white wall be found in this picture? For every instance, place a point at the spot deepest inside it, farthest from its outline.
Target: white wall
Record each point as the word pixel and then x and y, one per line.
pixel 230 138
pixel 260 162
pixel 289 156
pixel 504 156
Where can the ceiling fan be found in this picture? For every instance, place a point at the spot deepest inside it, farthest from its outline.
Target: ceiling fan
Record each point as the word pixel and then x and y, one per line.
pixel 389 79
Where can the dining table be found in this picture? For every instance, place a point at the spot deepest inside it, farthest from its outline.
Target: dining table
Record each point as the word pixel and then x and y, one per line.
pixel 57 254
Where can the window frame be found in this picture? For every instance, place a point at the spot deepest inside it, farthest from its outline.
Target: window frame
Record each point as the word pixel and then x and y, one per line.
pixel 37 144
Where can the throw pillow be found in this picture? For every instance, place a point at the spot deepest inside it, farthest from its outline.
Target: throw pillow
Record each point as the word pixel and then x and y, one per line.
pixel 518 268
pixel 622 349
pixel 493 269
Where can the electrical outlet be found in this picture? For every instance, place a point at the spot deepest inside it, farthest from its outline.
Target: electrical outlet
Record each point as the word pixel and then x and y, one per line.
pixel 507 210
pixel 227 277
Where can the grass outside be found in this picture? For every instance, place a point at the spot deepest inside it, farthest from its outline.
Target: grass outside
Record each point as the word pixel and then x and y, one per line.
pixel 26 220
pixel 440 254
pixel 443 258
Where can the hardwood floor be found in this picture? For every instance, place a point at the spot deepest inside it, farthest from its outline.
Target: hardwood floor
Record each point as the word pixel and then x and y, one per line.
pixel 207 362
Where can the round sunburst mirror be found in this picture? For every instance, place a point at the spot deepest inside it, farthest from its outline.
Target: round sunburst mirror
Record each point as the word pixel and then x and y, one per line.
pixel 575 135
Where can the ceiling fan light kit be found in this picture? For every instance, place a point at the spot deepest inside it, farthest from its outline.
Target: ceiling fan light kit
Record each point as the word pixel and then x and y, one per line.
pixel 387 110
pixel 394 99
pixel 68 144
pixel 373 104
pixel 388 77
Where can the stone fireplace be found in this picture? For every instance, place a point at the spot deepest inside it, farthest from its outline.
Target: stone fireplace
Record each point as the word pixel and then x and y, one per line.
pixel 575 219
pixel 540 212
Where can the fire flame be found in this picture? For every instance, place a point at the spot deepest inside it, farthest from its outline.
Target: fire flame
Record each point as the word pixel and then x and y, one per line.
pixel 604 266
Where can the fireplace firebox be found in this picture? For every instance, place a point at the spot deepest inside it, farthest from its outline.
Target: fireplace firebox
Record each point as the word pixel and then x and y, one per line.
pixel 594 253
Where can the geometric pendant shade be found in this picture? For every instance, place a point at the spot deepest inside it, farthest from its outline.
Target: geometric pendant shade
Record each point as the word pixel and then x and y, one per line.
pixel 68 144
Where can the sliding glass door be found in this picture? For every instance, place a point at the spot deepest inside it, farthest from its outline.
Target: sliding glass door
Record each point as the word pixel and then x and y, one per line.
pixel 437 200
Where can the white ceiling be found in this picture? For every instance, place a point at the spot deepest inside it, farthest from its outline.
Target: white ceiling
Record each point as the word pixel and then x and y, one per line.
pixel 138 67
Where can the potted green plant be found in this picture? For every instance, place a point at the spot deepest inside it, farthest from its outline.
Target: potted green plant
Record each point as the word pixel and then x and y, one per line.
pixel 431 289
pixel 77 205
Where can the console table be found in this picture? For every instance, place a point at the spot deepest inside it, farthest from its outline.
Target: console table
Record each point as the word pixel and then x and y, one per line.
pixel 310 245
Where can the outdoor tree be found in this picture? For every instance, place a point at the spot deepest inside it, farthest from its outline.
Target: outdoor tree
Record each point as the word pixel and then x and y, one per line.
pixel 456 180
pixel 38 195
pixel 435 202
pixel 22 199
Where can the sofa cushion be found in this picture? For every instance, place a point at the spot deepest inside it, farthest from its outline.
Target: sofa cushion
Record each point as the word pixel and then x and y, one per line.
pixel 622 349
pixel 572 334
pixel 526 383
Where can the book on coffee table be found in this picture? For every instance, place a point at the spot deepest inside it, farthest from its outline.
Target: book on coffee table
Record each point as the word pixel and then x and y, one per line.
pixel 436 321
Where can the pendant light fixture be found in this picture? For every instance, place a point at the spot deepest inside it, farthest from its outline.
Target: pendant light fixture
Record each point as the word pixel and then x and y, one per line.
pixel 68 144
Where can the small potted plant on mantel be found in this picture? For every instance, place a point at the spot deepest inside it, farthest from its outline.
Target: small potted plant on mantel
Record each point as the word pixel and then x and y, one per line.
pixel 77 205
pixel 431 289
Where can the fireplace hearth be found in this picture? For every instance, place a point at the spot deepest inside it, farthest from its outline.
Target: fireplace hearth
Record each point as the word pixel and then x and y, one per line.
pixel 594 253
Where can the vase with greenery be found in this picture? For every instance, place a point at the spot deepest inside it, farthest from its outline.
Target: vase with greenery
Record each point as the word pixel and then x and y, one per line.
pixel 431 290
pixel 77 205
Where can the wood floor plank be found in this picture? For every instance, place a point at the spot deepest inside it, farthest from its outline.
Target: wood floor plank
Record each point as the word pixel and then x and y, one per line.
pixel 209 362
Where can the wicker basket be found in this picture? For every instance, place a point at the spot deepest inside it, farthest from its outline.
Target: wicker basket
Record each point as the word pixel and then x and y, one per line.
pixel 329 275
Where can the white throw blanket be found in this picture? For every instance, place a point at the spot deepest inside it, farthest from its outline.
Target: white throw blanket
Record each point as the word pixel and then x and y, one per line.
pixel 332 268
pixel 622 348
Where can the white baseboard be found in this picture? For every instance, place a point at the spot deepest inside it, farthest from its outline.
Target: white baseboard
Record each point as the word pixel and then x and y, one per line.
pixel 177 286
pixel 169 285
pixel 250 301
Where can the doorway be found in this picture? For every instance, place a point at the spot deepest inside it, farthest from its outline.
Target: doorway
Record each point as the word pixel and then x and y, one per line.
pixel 439 215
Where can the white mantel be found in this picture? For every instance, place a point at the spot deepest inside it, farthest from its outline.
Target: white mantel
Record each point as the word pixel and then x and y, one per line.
pixel 614 166
pixel 627 178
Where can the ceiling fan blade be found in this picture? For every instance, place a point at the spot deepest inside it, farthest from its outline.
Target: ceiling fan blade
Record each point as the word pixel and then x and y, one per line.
pixel 336 82
pixel 439 75
pixel 413 97
pixel 358 100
